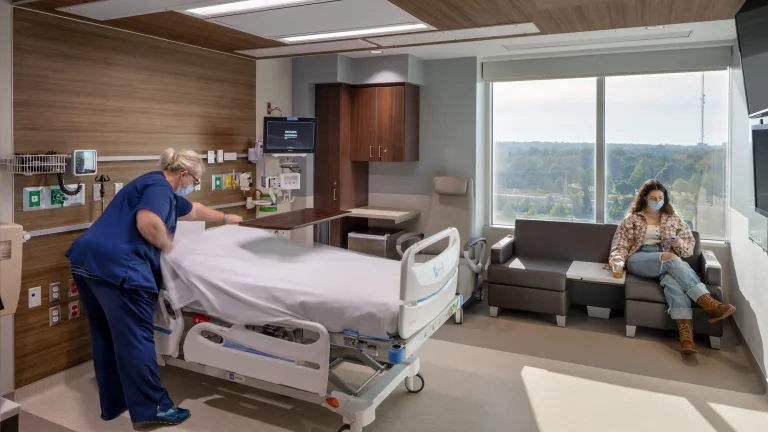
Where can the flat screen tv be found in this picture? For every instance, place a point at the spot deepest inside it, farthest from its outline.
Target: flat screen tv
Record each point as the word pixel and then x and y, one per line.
pixel 752 29
pixel 760 164
pixel 290 135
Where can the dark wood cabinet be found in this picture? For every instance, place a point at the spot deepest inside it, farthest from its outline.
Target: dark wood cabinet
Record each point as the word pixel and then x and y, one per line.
pixel 385 122
pixel 340 184
pixel 364 123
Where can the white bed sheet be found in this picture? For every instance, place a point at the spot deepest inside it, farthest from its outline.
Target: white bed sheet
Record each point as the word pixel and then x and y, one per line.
pixel 249 276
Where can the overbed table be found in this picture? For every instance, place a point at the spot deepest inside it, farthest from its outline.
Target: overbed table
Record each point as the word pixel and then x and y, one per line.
pixel 296 219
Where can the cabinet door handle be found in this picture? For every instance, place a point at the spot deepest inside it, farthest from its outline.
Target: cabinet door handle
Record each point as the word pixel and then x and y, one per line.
pixel 334 194
pixel 379 152
pixel 370 153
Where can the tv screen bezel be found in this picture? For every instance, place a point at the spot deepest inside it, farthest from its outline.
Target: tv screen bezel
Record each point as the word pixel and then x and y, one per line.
pixel 748 7
pixel 288 120
pixel 758 127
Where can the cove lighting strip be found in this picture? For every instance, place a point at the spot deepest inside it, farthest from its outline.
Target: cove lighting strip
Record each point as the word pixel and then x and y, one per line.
pixel 355 33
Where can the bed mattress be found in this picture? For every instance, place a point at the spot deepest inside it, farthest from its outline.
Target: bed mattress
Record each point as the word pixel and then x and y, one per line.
pixel 249 276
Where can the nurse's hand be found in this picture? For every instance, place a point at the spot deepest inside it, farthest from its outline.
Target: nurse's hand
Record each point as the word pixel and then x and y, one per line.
pixel 234 219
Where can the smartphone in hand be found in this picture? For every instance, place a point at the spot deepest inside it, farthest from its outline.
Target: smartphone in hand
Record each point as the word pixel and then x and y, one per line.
pixel 671 239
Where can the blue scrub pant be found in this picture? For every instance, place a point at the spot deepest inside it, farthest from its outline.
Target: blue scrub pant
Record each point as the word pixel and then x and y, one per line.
pixel 122 333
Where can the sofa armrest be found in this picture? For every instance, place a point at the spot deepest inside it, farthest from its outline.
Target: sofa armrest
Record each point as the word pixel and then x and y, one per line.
pixel 711 269
pixel 476 259
pixel 405 238
pixel 502 251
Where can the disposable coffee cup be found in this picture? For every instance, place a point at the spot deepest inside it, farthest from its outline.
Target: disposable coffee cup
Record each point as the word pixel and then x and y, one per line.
pixel 617 267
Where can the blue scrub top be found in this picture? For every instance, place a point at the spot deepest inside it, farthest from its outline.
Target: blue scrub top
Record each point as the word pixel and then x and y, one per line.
pixel 113 248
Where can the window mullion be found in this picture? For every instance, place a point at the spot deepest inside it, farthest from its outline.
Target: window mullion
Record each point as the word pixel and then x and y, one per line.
pixel 600 177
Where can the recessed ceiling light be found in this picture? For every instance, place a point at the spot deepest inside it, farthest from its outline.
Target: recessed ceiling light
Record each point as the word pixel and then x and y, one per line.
pixel 376 51
pixel 659 27
pixel 241 6
pixel 353 33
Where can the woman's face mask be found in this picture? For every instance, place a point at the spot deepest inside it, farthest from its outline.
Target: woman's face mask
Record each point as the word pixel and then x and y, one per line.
pixel 656 205
pixel 185 190
pixel 655 200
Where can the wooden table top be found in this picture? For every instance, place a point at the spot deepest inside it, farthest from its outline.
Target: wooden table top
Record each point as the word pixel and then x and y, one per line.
pixel 294 219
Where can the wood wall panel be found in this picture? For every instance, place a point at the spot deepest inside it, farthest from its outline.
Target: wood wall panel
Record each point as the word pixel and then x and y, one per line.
pixel 79 86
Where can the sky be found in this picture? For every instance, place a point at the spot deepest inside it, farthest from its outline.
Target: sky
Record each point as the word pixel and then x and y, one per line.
pixel 644 109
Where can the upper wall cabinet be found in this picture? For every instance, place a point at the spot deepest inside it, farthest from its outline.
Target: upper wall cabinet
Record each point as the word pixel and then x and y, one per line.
pixel 385 123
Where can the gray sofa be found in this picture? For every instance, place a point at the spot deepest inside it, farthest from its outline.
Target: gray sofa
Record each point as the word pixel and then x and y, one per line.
pixel 528 272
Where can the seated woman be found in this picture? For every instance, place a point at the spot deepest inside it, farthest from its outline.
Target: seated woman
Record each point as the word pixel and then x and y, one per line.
pixel 651 241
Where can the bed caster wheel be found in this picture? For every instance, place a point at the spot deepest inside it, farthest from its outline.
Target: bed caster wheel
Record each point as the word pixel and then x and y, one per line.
pixel 412 389
pixel 345 428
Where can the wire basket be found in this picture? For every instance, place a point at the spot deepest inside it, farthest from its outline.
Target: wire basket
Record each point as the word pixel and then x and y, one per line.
pixel 39 164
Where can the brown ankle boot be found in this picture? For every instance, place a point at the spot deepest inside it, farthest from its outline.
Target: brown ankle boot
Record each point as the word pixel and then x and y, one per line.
pixel 687 346
pixel 714 309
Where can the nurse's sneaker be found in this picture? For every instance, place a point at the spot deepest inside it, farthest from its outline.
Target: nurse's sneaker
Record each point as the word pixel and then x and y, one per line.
pixel 171 417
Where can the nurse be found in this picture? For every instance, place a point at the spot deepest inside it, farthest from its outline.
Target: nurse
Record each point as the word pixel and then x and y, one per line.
pixel 116 265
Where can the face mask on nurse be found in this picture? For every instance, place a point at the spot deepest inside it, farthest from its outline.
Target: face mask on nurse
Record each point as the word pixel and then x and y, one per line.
pixel 186 190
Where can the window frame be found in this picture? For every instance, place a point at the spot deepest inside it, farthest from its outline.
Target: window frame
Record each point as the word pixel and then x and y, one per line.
pixel 601 171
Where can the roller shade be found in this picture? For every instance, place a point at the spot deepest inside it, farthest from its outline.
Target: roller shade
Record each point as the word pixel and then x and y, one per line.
pixel 682 60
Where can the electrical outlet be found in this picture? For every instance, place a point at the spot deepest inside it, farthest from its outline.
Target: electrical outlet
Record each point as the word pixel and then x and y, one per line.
pixel 35 297
pixel 96 192
pixel 230 156
pixel 211 156
pixel 118 186
pixel 74 309
pixel 54 292
pixel 220 156
pixel 73 292
pixel 54 316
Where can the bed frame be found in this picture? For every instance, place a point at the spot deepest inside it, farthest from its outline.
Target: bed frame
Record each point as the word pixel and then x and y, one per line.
pixel 298 359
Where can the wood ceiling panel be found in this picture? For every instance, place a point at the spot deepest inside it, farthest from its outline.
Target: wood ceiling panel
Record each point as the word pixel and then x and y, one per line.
pixel 173 26
pixel 461 14
pixel 566 16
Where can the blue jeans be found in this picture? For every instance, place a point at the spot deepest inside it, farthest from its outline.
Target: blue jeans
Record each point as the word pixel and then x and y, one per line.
pixel 680 282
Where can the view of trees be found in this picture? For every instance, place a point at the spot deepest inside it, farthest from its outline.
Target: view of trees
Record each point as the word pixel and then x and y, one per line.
pixel 555 180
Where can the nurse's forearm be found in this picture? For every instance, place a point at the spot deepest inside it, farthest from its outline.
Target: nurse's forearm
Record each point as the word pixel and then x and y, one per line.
pixel 153 230
pixel 202 213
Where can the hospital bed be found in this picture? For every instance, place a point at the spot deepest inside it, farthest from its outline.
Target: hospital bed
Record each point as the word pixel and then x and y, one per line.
pixel 243 305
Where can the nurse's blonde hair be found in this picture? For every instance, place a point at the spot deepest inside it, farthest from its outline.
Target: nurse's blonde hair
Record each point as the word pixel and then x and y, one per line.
pixel 173 161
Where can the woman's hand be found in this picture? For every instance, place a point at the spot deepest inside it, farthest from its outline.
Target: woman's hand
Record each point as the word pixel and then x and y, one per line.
pixel 615 259
pixel 676 243
pixel 234 219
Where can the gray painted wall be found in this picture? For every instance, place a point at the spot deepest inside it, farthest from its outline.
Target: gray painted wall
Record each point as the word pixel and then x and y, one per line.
pixel 308 71
pixel 448 131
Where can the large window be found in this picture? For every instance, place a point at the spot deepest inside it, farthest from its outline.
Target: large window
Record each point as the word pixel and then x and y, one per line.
pixel 548 139
pixel 544 150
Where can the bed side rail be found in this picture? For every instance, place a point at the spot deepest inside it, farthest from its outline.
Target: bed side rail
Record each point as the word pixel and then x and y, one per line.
pixel 427 288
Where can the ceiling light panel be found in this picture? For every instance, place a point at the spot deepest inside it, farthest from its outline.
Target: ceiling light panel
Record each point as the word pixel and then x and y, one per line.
pixel 456 35
pixel 291 50
pixel 333 16
pixel 356 33
pixel 114 9
pixel 245 6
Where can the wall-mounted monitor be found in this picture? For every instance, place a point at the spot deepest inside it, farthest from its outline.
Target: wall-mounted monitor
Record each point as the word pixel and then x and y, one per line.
pixel 752 29
pixel 760 163
pixel 290 134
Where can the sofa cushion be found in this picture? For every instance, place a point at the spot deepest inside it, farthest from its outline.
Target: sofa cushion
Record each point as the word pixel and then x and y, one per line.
pixel 540 273
pixel 650 290
pixel 566 241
